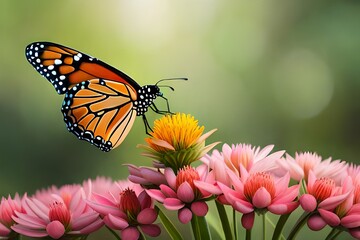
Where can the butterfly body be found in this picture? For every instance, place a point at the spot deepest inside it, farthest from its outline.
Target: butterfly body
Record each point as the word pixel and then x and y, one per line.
pixel 101 102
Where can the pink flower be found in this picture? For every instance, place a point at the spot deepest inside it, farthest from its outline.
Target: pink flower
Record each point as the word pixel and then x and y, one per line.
pixel 350 208
pixel 66 192
pixel 260 192
pixel 181 194
pixel 147 177
pixel 326 201
pixel 251 158
pixel 127 208
pixel 98 185
pixel 66 215
pixel 300 166
pixel 7 211
pixel 351 221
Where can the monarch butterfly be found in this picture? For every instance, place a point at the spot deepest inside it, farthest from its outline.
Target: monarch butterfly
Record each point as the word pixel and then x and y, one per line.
pixel 101 102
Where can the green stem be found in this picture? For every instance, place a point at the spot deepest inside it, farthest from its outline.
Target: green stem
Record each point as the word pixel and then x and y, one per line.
pixel 195 228
pixel 203 228
pixel 248 234
pixel 300 223
pixel 280 226
pixel 114 233
pixel 168 225
pixel 235 224
pixel 141 237
pixel 224 220
pixel 333 234
pixel 264 226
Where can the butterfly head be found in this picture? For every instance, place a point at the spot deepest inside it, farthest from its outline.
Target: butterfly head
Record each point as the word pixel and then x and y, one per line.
pixel 146 95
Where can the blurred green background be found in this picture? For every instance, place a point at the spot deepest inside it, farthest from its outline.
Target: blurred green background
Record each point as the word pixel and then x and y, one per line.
pixel 262 72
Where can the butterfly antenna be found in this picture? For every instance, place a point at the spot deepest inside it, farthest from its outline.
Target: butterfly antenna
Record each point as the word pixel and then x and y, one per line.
pixel 172 89
pixel 170 79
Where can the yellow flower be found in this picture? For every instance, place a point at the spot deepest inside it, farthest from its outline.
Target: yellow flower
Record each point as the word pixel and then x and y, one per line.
pixel 177 141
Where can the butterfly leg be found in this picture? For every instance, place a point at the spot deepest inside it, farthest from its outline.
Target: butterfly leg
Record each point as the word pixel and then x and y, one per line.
pixel 167 104
pixel 147 125
pixel 155 109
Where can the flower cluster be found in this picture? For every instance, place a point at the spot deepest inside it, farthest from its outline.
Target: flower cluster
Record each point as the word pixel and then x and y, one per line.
pixel 75 211
pixel 185 177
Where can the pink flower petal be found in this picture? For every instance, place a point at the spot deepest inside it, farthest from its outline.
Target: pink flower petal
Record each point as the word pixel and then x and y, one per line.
pixel 247 220
pixel 152 230
pixel 185 215
pixel 4 231
pixel 29 232
pixel 330 218
pixel 316 223
pixel 308 202
pixel 115 222
pixel 262 198
pixel 104 209
pixel 138 180
pixel 355 232
pixel 288 195
pixel 228 192
pixel 168 192
pixel 78 204
pixel 29 221
pixel 185 193
pixel 145 200
pixel 130 233
pixel 103 200
pixel 156 194
pixel 147 216
pixel 153 176
pixel 84 220
pixel 243 206
pixel 283 208
pixel 94 226
pixel 173 204
pixel 38 209
pixel 199 208
pixel 170 177
pixel 133 170
pixel 355 209
pixel 55 229
pixel 333 202
pixel 351 221
pixel 211 188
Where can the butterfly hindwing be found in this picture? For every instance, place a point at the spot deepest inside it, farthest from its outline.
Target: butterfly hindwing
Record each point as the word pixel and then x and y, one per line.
pixel 100 111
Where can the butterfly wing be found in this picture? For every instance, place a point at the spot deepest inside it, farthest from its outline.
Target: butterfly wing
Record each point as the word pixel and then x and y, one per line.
pixel 64 67
pixel 100 112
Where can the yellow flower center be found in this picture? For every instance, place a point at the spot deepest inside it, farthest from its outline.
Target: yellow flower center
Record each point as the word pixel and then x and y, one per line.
pixel 180 131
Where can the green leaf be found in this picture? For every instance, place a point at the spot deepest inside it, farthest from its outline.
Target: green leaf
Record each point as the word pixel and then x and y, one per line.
pixel 169 226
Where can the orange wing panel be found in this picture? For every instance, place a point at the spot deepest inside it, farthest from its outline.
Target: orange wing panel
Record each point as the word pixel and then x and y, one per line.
pixel 79 76
pixel 78 102
pixel 109 102
pixel 66 69
pixel 51 55
pixel 59 50
pixel 123 129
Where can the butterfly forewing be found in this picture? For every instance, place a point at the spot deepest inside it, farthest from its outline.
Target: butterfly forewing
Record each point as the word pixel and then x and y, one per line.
pixel 102 119
pixel 65 67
